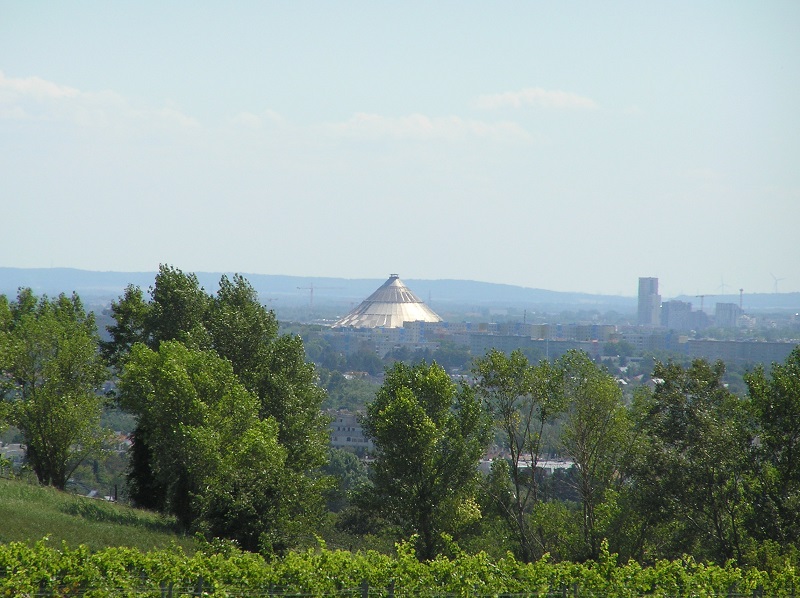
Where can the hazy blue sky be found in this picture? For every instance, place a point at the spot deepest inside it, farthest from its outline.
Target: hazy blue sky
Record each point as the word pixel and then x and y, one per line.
pixel 571 146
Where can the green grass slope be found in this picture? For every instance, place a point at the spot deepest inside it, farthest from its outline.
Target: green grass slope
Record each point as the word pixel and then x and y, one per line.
pixel 29 513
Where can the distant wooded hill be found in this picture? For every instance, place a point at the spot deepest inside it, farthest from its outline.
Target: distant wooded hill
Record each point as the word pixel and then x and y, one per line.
pixel 102 287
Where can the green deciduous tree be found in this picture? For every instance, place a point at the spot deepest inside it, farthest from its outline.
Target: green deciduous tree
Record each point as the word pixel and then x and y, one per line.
pixel 522 399
pixel 429 436
pixel 247 495
pixel 177 310
pixel 52 376
pixel 241 328
pixel 349 474
pixel 595 436
pixel 775 401
pixel 235 325
pixel 130 326
pixel 689 480
pixel 173 391
pixel 220 465
pixel 272 368
pixel 287 390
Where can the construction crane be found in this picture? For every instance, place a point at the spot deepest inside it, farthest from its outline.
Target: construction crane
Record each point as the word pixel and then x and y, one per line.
pixel 310 288
pixel 702 298
pixel 722 287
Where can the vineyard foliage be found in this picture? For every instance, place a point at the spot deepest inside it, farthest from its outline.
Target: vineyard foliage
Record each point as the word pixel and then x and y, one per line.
pixel 223 570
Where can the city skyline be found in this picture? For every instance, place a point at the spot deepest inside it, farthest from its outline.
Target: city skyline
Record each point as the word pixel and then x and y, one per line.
pixel 314 291
pixel 572 148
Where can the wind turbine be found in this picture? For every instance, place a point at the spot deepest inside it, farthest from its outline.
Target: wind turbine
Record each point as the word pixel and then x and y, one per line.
pixel 776 280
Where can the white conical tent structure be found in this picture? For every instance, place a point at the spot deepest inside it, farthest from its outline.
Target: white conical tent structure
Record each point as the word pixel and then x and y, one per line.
pixel 388 307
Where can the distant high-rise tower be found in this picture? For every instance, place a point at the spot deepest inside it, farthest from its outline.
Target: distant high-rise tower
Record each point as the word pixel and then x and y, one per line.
pixel 726 315
pixel 649 302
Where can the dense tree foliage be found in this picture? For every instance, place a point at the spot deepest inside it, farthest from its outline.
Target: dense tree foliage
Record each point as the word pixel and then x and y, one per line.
pixel 51 376
pixel 522 399
pixel 595 436
pixel 429 435
pixel 775 400
pixel 689 479
pixel 220 466
pixel 447 354
pixel 346 392
pixel 232 326
pixel 350 474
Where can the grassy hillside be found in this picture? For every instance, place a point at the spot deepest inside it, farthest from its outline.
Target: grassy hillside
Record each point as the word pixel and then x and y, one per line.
pixel 29 513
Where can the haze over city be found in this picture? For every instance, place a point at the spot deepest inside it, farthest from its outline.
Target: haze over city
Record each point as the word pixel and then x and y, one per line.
pixel 568 147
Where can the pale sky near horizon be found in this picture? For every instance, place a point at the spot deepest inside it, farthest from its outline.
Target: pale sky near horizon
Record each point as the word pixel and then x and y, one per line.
pixel 570 146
